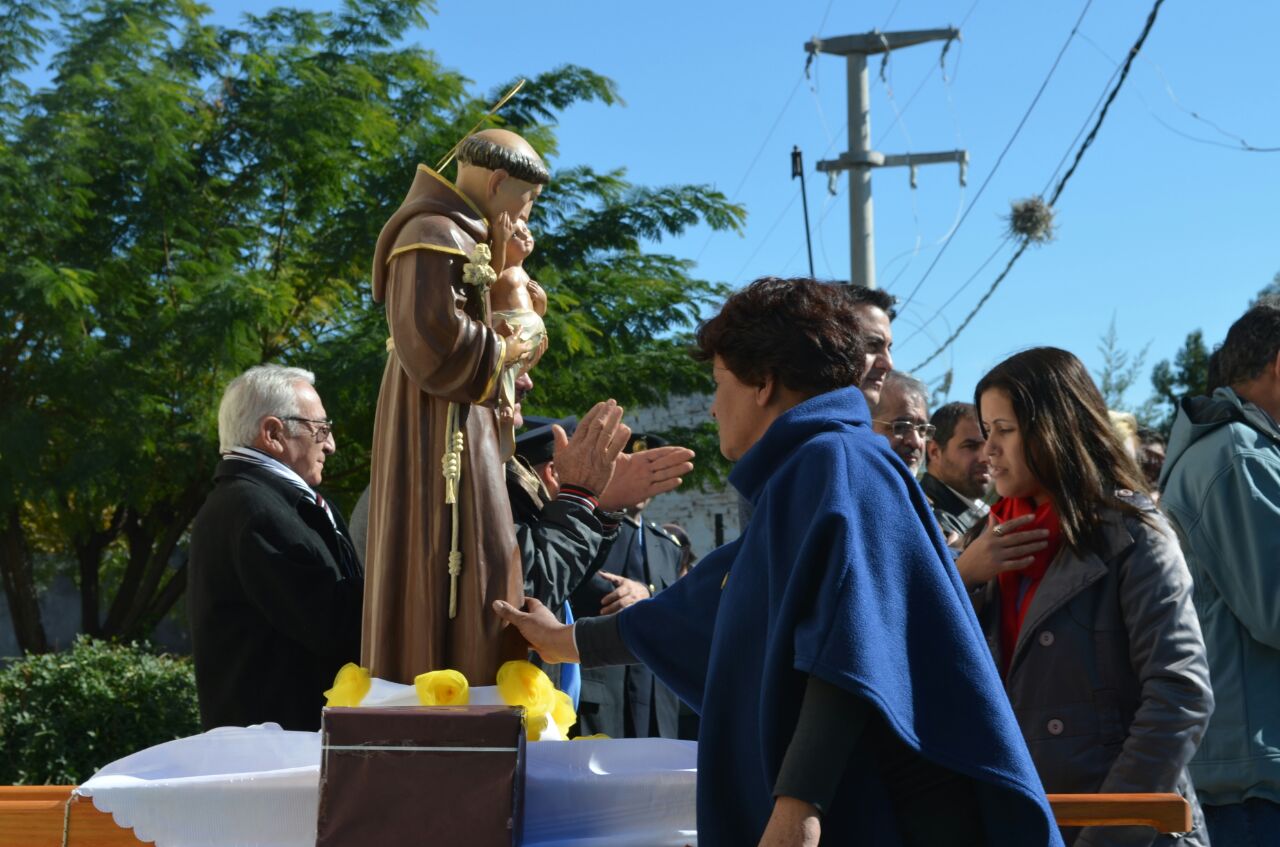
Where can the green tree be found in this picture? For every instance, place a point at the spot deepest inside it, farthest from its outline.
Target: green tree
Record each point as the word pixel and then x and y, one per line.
pixel 1120 368
pixel 1186 376
pixel 184 201
pixel 1272 290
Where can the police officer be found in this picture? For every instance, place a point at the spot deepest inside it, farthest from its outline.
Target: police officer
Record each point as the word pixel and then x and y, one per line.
pixel 625 701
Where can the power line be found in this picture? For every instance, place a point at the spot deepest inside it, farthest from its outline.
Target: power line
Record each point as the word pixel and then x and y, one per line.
pixel 1062 183
pixel 768 135
pixel 941 309
pixel 1241 144
pixel 932 69
pixel 763 144
pixel 942 251
pixel 760 244
pixel 1004 241
pixel 917 249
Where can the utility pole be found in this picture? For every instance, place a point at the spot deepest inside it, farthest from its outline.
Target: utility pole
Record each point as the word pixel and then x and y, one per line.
pixel 860 158
pixel 797 170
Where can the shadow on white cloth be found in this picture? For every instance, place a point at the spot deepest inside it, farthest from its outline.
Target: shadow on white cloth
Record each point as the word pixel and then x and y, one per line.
pixel 258 786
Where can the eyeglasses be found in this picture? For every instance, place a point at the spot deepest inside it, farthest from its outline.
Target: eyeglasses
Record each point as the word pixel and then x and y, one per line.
pixel 323 429
pixel 901 428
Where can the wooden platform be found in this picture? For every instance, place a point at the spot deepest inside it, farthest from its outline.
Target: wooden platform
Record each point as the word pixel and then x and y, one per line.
pixel 1161 812
pixel 34 816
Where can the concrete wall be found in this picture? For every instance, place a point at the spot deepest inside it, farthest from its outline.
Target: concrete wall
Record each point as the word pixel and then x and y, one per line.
pixel 60 610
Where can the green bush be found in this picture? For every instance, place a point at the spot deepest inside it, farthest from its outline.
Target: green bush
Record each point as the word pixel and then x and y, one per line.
pixel 64 715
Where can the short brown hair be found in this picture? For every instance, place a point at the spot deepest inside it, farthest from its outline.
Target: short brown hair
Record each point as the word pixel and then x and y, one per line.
pixel 947 419
pixel 802 332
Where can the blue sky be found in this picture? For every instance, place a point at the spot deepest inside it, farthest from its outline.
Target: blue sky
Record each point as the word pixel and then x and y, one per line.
pixel 1162 232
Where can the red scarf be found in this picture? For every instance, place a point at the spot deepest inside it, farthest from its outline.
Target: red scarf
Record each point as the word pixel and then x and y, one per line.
pixel 1014 602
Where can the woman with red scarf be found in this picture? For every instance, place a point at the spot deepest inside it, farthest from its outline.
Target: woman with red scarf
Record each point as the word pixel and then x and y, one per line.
pixel 1085 597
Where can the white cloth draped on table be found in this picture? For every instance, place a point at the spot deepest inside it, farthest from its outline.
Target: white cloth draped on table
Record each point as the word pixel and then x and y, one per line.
pixel 259 786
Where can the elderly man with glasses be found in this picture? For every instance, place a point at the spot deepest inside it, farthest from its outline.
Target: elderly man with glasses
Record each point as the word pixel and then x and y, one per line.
pixel 902 416
pixel 275 588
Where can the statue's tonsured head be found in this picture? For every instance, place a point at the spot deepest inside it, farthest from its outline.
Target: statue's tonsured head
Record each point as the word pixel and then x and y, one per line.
pixel 501 172
pixel 500 149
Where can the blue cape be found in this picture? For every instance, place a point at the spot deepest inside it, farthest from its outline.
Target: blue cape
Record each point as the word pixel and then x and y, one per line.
pixel 842 574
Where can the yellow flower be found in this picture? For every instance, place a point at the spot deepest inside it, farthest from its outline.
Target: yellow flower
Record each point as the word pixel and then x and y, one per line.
pixel 599 736
pixel 442 688
pixel 523 684
pixel 536 725
pixel 562 712
pixel 349 687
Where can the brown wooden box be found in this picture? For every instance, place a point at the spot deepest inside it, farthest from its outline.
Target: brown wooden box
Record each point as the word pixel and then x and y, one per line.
pixel 439 775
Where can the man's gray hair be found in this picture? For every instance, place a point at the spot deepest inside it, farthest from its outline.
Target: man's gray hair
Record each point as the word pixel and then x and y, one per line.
pixel 907 384
pixel 258 392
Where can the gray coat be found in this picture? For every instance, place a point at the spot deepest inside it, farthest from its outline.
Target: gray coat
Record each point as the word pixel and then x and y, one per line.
pixel 1108 679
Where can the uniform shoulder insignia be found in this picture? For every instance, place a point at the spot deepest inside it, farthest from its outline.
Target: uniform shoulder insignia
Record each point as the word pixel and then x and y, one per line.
pixel 660 531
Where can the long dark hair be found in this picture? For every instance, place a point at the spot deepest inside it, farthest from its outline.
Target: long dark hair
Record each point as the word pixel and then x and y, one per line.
pixel 1067 437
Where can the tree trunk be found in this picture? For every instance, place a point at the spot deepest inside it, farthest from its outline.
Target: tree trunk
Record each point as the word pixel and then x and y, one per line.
pixel 89 552
pixel 90 559
pixel 142 599
pixel 18 578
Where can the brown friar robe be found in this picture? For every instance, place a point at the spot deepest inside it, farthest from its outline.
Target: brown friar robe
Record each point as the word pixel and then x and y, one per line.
pixel 442 352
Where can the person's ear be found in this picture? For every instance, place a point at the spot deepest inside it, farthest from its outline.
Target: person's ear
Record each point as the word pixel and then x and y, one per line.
pixel 494 183
pixel 766 391
pixel 271 435
pixel 547 473
pixel 932 450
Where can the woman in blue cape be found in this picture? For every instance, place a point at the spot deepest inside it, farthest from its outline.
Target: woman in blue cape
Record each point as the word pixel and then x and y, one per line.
pixel 844 686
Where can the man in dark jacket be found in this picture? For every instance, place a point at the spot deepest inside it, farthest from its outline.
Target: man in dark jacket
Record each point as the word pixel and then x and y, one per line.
pixel 958 472
pixel 276 590
pixel 625 700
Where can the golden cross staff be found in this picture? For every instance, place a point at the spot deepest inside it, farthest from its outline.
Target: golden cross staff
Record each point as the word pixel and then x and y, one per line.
pixel 444 163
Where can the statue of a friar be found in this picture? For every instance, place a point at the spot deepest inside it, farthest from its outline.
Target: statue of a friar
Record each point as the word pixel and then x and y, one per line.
pixel 441 545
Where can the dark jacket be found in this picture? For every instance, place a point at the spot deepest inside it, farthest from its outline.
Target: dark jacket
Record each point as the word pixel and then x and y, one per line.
pixel 626 700
pixel 953 513
pixel 274 601
pixel 1109 679
pixel 562 543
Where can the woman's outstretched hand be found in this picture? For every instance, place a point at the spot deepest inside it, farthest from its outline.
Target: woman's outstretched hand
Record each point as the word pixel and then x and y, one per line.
pixel 552 640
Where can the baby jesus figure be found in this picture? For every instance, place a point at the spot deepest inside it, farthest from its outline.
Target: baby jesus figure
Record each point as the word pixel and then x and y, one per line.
pixel 518 304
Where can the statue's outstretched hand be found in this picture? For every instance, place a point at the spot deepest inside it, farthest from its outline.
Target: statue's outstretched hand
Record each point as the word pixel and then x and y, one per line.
pixel 551 639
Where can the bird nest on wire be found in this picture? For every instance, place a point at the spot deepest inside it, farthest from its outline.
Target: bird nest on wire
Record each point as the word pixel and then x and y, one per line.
pixel 1031 220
